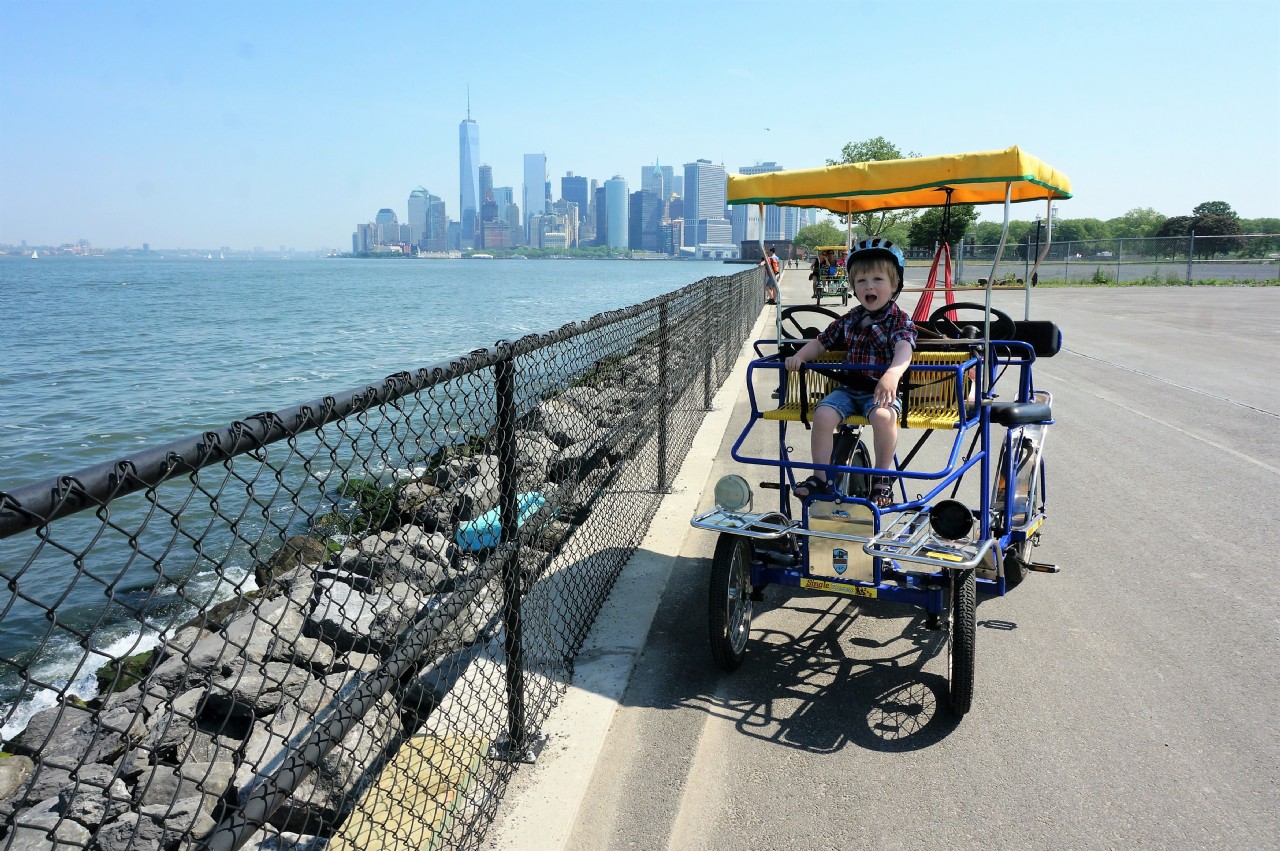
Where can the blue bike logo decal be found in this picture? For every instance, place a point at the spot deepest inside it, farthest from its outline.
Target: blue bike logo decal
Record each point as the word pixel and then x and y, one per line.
pixel 840 561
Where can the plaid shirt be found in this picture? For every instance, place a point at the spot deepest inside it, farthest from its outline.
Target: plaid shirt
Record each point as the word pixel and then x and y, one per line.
pixel 874 344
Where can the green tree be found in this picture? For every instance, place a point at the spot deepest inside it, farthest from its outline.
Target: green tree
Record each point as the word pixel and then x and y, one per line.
pixel 987 233
pixel 926 229
pixel 874 150
pixel 1224 230
pixel 823 233
pixel 1261 247
pixel 1138 223
pixel 1176 226
pixel 1214 208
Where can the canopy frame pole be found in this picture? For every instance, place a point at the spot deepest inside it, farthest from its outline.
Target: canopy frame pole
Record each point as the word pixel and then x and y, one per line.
pixel 1044 252
pixel 777 285
pixel 986 319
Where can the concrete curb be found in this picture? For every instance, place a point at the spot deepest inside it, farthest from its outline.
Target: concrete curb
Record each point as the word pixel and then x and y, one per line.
pixel 542 801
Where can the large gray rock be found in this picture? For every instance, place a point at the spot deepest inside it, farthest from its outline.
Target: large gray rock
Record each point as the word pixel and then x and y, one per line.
pixel 255 633
pixel 188 658
pixel 534 451
pixel 130 832
pixel 579 459
pixel 298 551
pixel 67 736
pixel 31 829
pixel 366 623
pixel 91 806
pixel 255 691
pixel 15 771
pixel 329 793
pixel 164 784
pixel 411 495
pixel 409 553
pixel 273 839
pixel 562 421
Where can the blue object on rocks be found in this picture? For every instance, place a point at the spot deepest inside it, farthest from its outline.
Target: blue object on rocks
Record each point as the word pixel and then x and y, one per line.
pixel 485 531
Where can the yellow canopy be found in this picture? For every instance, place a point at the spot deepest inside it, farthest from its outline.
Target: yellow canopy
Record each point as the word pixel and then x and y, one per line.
pixel 975 178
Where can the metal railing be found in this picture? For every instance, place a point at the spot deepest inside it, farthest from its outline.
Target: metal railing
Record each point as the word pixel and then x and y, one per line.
pixel 1176 260
pixel 349 618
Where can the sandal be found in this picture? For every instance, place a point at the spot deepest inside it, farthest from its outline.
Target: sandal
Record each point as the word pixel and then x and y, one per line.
pixel 881 491
pixel 813 486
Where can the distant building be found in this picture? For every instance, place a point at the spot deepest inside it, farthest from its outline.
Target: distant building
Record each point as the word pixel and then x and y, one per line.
pixel 388 227
pixel 615 199
pixel 468 178
pixel 419 200
pixel 568 213
pixel 706 188
pixel 574 188
pixel 671 237
pixel 436 237
pixel 779 222
pixel 534 198
pixel 601 210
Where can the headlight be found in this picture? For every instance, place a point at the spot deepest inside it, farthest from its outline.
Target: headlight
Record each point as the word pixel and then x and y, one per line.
pixel 950 519
pixel 733 493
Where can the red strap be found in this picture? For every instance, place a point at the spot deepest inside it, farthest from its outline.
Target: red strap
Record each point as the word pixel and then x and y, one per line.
pixel 943 253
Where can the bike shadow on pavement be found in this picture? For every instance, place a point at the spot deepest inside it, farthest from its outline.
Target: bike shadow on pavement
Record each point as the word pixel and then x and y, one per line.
pixel 821 673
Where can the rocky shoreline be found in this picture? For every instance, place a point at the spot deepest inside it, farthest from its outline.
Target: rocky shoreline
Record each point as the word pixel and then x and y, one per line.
pixel 222 701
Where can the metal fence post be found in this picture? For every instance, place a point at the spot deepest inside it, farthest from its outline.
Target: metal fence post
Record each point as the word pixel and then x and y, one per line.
pixel 709 351
pixel 663 345
pixel 1191 253
pixel 519 746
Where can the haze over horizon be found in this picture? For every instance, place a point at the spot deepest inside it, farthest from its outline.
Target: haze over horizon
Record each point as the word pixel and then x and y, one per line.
pixel 258 125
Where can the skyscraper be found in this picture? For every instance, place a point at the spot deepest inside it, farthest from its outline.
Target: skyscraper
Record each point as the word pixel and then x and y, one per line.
pixel 534 198
pixel 387 227
pixel 706 188
pixel 615 199
pixel 575 189
pixel 419 200
pixel 419 204
pixel 468 177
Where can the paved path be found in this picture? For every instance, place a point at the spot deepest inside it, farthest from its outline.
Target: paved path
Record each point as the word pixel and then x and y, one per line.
pixel 1128 702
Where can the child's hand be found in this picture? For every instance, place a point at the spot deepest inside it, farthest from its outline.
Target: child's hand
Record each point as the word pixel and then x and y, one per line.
pixel 794 363
pixel 886 390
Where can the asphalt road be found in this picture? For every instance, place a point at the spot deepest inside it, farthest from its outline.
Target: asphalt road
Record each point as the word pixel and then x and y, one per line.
pixel 1127 702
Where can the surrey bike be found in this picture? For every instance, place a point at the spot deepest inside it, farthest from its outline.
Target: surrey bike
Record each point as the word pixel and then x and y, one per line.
pixel 829 277
pixel 980 505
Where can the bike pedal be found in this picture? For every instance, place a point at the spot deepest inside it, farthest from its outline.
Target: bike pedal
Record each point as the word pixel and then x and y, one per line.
pixel 1040 567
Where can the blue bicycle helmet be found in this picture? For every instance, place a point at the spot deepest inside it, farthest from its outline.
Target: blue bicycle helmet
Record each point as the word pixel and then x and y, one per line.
pixel 876 246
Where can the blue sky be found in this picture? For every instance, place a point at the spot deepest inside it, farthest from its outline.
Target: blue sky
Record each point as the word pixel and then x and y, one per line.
pixel 272 124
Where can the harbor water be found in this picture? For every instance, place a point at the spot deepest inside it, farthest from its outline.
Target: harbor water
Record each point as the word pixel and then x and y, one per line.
pixel 105 355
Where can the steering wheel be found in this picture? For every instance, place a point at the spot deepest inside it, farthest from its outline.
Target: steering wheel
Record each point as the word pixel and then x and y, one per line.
pixel 804 332
pixel 1002 327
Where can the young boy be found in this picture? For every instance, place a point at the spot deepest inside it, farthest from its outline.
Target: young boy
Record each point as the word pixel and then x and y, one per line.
pixel 874 332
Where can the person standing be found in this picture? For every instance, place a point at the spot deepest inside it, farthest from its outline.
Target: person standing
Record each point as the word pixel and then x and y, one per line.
pixel 772 274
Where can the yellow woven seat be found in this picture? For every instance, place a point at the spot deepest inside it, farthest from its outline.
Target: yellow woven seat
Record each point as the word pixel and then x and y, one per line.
pixel 930 400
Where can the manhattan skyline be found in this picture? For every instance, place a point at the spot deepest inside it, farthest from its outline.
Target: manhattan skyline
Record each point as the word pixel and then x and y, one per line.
pixel 259 125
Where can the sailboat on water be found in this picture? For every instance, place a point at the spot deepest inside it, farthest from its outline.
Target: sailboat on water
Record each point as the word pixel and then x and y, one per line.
pixel 35 255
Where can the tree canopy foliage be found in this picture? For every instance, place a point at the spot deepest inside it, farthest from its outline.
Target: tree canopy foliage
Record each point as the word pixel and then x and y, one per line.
pixel 823 233
pixel 874 150
pixel 927 227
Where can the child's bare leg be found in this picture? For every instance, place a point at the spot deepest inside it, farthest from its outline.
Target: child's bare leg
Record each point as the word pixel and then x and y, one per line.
pixel 884 436
pixel 884 431
pixel 825 421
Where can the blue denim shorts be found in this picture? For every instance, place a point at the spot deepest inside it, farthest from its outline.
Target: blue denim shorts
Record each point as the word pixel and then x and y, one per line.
pixel 849 402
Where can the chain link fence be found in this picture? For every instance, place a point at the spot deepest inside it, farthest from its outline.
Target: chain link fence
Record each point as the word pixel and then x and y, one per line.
pixel 1182 260
pixel 343 622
